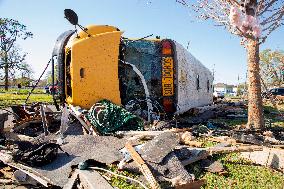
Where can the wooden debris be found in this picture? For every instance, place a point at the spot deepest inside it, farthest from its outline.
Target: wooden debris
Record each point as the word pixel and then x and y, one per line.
pixel 32 173
pixel 192 185
pixel 194 143
pixel 142 166
pixel 81 118
pixel 225 150
pixel 225 139
pixel 212 166
pixel 203 153
pixel 150 134
pixel 93 180
pixel 200 110
pixel 188 139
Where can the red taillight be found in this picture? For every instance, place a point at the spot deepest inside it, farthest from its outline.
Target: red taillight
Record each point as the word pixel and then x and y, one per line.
pixel 168 105
pixel 166 48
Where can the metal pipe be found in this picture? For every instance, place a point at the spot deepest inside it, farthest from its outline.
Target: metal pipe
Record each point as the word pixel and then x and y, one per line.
pixel 52 76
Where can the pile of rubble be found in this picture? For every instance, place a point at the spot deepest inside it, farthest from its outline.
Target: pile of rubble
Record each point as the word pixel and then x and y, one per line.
pixel 45 148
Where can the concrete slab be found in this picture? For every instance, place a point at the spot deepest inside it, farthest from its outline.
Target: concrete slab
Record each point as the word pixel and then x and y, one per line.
pixel 270 157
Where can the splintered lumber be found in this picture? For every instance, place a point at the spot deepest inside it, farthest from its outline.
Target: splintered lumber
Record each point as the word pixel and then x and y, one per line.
pixel 142 166
pixel 188 139
pixel 225 150
pixel 7 159
pixel 192 185
pixel 91 179
pixel 140 133
pixel 77 112
pixel 193 143
pixel 150 134
pixel 200 110
pixel 32 173
pixel 203 153
pixel 225 139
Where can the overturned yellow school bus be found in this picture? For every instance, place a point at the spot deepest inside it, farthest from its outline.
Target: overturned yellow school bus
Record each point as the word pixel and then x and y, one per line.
pixel 152 74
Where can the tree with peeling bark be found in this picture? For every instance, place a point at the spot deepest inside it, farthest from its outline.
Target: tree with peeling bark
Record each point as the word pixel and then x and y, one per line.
pixel 253 21
pixel 11 57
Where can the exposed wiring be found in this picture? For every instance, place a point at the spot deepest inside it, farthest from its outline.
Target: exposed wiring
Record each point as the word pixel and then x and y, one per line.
pixel 122 176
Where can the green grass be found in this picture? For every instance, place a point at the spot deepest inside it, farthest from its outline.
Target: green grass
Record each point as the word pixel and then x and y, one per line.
pixel 240 174
pixel 272 113
pixel 22 91
pixel 230 122
pixel 8 99
pixel 121 182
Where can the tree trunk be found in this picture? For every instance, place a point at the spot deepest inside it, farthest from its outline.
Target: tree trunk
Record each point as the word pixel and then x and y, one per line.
pixel 6 70
pixel 255 108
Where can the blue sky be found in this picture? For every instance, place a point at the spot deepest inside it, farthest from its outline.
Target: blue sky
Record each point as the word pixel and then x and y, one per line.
pixel 138 18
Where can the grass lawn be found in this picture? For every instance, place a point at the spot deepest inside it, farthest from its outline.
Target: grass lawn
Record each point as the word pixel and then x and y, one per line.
pixel 239 174
pixel 15 97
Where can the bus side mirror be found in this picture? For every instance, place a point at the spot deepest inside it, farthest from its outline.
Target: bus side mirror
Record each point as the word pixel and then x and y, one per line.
pixel 71 16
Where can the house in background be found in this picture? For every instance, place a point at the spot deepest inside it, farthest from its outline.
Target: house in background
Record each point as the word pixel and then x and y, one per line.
pixel 226 89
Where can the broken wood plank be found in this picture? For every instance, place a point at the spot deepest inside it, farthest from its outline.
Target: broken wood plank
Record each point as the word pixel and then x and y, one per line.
pixel 194 143
pixel 202 109
pixel 203 153
pixel 81 118
pixel 142 166
pixel 140 133
pixel 92 180
pixel 222 139
pixel 32 173
pixel 225 150
pixel 192 185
